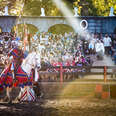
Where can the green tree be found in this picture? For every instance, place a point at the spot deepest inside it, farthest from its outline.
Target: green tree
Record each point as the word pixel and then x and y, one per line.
pixel 33 7
pixel 103 6
pixel 95 7
pixel 14 6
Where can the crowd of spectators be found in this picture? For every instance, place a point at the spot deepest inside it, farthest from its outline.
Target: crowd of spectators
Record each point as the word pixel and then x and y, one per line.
pixel 69 49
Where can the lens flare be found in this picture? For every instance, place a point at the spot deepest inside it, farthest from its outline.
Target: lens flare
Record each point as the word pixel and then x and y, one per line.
pixel 72 20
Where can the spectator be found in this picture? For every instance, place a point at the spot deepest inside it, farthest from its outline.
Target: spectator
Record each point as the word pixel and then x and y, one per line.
pixel 107 44
pixel 99 47
pixel 91 47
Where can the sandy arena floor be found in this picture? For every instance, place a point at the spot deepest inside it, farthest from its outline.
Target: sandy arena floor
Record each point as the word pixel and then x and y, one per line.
pixel 63 107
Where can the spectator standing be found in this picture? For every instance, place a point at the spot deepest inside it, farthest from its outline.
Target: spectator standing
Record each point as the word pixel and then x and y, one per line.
pixel 107 44
pixel 91 47
pixel 99 47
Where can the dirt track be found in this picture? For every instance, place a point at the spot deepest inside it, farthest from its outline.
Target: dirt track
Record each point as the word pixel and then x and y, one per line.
pixel 78 107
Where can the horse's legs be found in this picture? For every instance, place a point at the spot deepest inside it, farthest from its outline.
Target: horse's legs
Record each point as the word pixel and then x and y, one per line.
pixel 20 94
pixel 8 91
pixel 17 99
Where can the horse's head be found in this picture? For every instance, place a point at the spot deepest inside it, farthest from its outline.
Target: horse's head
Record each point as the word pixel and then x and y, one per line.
pixel 37 60
pixel 32 61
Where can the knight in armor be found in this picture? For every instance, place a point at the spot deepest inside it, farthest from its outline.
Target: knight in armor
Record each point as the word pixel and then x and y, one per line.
pixel 17 56
pixel 8 75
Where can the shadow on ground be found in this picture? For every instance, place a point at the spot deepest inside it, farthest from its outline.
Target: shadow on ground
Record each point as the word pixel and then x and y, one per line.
pixel 79 107
pixel 25 109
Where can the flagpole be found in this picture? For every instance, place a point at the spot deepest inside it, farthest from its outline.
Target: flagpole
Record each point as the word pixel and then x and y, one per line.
pixel 25 37
pixel 23 2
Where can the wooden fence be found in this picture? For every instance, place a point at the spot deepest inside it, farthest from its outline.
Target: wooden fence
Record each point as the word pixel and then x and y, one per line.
pixel 88 70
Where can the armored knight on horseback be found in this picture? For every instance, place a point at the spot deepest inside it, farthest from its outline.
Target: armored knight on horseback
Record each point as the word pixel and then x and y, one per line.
pixel 8 76
pixel 16 55
pixel 19 72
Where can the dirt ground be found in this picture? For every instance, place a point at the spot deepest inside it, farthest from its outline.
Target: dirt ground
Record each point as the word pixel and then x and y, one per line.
pixel 61 107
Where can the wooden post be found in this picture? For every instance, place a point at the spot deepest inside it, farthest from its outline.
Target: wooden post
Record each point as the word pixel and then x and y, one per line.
pixel 105 74
pixel 61 74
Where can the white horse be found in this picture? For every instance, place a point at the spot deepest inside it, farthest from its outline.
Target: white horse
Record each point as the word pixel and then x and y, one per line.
pixel 31 61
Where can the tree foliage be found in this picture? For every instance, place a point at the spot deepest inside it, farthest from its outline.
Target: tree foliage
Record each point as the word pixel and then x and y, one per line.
pixel 95 7
pixel 15 6
pixel 33 7
pixel 85 7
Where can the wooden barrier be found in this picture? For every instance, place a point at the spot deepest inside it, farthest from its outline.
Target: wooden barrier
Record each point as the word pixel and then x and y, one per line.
pixel 61 74
pixel 86 68
pixel 87 71
pixel 105 73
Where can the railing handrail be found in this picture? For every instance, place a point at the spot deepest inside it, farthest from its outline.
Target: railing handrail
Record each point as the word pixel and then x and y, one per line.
pixel 61 72
pixel 99 67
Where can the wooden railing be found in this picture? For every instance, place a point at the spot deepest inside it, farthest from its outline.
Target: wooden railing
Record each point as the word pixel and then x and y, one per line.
pixel 101 70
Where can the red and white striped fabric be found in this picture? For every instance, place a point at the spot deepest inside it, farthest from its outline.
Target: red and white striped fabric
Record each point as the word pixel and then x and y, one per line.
pixel 28 94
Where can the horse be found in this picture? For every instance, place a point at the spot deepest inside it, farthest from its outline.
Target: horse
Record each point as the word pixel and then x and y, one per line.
pixel 32 61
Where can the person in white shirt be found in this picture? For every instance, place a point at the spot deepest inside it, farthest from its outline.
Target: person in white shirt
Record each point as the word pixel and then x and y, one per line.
pixel 107 44
pixel 99 48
